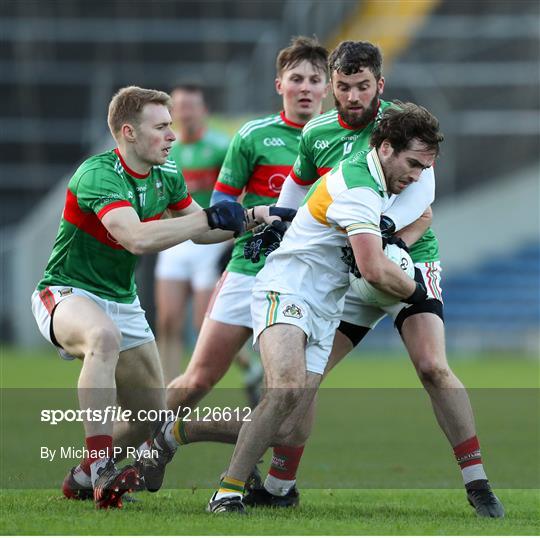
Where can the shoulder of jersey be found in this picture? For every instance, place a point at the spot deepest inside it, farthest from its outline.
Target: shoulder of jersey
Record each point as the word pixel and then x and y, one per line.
pixel 102 161
pixel 169 166
pixel 355 172
pixel 255 125
pixel 320 122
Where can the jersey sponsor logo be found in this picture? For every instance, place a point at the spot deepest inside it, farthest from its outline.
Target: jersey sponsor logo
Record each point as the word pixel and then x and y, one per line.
pixel 321 144
pixel 267 180
pixel 112 196
pixel 274 142
pixel 347 148
pixel 275 182
pixel 292 311
pixel 352 138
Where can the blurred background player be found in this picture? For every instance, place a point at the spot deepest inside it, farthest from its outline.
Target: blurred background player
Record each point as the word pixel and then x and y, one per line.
pixel 188 271
pixel 257 162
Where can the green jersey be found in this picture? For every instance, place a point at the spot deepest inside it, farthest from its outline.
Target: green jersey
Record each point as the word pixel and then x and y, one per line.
pixel 327 140
pixel 85 255
pixel 257 163
pixel 200 162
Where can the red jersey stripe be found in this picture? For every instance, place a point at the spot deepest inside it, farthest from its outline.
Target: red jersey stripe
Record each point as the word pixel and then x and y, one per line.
pixel 323 170
pixel 298 180
pixel 47 298
pixel 227 189
pixel 182 204
pixel 104 210
pixel 201 179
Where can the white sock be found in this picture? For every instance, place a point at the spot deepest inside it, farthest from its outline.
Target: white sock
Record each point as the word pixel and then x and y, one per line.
pixel 167 430
pixel 473 472
pixel 278 487
pixel 94 467
pixel 81 477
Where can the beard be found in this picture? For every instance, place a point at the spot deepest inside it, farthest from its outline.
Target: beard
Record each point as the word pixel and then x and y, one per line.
pixel 353 119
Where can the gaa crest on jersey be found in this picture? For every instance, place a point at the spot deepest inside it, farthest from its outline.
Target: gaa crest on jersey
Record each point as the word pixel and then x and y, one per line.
pixel 292 311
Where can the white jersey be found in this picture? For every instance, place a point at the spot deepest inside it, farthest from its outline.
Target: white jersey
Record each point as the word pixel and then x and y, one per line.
pixel 312 260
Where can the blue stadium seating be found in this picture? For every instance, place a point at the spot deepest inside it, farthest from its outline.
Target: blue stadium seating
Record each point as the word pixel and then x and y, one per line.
pixel 494 306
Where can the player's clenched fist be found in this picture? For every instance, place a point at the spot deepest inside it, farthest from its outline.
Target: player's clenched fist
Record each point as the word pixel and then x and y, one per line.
pixel 227 216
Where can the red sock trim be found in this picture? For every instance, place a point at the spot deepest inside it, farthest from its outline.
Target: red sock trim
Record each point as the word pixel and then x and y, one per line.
pixel 285 462
pixel 468 452
pixel 99 446
pixel 85 466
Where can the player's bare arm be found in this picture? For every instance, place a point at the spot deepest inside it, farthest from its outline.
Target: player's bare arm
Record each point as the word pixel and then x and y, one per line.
pixel 414 231
pixel 139 237
pixel 377 269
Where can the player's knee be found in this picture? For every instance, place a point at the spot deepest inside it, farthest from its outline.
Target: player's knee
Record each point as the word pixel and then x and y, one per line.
pixel 104 339
pixel 433 373
pixel 284 400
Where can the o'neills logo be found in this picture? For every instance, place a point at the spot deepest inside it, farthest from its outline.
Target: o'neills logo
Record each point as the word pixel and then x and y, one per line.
pixel 278 462
pixel 475 455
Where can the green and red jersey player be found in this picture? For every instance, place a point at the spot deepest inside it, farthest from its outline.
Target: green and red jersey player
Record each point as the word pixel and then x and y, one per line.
pixel 86 304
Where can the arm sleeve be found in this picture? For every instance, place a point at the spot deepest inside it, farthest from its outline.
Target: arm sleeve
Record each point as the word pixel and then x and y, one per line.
pixel 237 167
pixel 291 194
pixel 179 195
pixel 218 196
pixel 101 190
pixel 413 201
pixel 304 171
pixel 357 211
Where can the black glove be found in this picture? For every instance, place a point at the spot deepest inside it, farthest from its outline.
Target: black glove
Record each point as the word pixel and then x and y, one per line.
pixel 255 214
pixel 286 214
pixel 227 215
pixel 347 256
pixel 387 226
pixel 395 240
pixel 265 241
pixel 420 293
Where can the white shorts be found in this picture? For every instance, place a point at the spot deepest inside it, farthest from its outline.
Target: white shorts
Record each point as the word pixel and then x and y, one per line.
pixel 270 308
pixel 197 264
pixel 231 300
pixel 363 315
pixel 129 318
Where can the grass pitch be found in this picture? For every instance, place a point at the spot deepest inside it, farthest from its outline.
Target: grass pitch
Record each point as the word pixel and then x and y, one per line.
pixel 349 454
pixel 322 512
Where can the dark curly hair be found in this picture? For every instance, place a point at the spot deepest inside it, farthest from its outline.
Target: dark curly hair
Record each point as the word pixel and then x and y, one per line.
pixel 351 56
pixel 404 122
